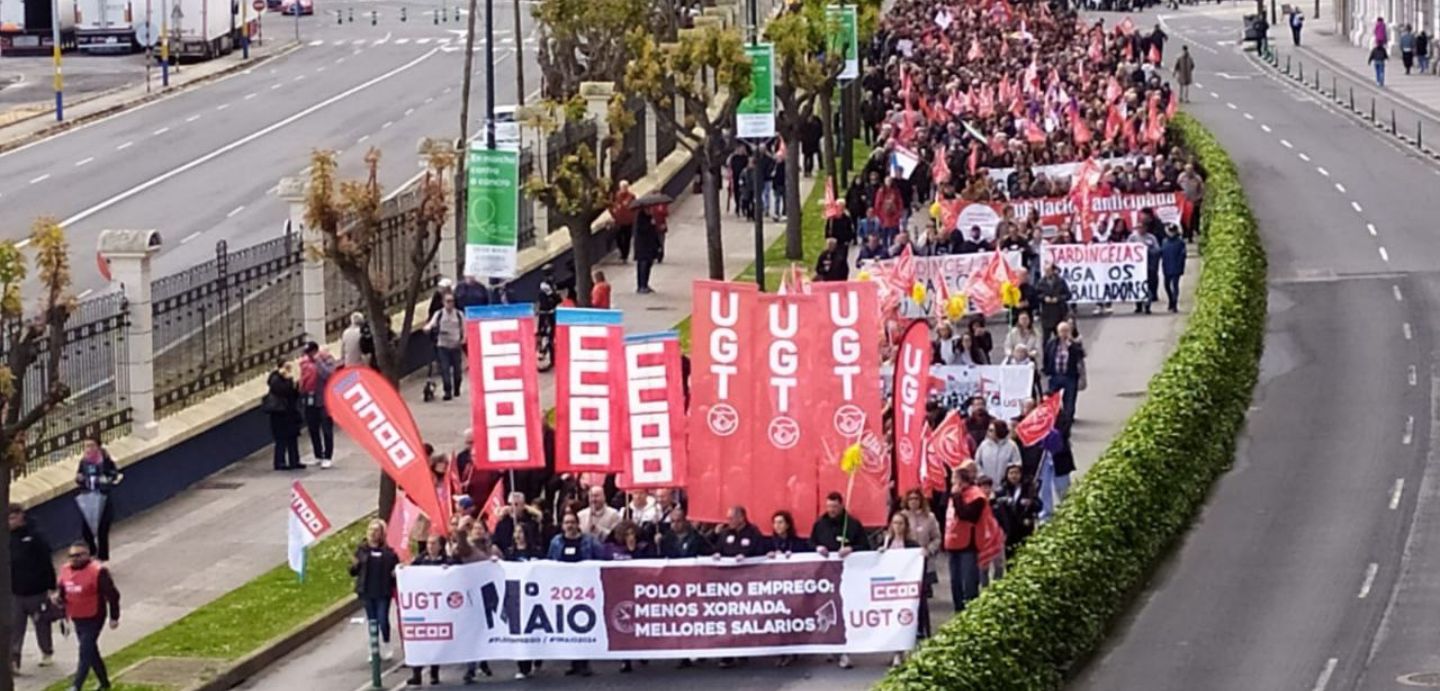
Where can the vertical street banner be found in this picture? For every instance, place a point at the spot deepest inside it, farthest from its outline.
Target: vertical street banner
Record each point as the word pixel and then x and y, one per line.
pixel 721 411
pixel 369 409
pixel 590 418
pixel 910 391
pixel 755 116
pixel 846 38
pixel 846 382
pixel 867 602
pixel 307 524
pixel 492 212
pixel 783 473
pixel 504 387
pixel 1101 273
pixel 655 411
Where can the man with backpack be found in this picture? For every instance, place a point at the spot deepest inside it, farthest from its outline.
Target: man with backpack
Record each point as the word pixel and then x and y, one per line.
pixel 316 366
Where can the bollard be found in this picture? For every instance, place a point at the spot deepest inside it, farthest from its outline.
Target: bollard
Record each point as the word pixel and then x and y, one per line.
pixel 373 17
pixel 375 680
pixel 1393 130
pixel 1287 65
pixel 339 17
pixel 1334 88
pixel 1372 109
pixel 1419 141
pixel 457 14
pixel 1352 99
pixel 1317 78
pixel 435 18
pixel 402 13
pixel 1301 66
pixel 352 15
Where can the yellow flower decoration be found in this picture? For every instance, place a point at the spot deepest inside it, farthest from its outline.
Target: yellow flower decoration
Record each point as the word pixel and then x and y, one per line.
pixel 1009 294
pixel 862 276
pixel 850 460
pixel 917 292
pixel 955 308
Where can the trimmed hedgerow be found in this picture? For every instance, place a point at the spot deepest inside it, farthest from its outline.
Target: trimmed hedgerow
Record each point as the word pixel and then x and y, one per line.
pixel 1081 570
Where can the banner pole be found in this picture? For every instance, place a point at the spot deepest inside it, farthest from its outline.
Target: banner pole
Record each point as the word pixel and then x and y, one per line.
pixel 375 681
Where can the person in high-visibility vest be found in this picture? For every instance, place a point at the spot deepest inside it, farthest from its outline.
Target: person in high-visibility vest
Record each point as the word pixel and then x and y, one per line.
pixel 89 596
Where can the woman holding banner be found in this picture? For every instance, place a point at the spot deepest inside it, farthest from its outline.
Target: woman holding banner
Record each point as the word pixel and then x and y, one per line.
pixel 925 531
pixel 373 567
pixel 900 536
pixel 434 555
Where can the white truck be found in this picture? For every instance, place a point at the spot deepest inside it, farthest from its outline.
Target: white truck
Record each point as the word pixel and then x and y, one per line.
pixel 200 29
pixel 26 26
pixel 105 26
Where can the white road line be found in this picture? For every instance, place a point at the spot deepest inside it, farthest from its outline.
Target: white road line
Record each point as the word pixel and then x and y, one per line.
pixel 84 293
pixel 1339 188
pixel 1325 673
pixel 1265 128
pixel 251 95
pixel 403 41
pixel 1409 435
pixel 430 99
pixel 222 106
pixel 1249 116
pixel 190 237
pixel 362 139
pixel 446 91
pixel 339 60
pixel 1410 375
pixel 1384 255
pixel 358 42
pixel 383 41
pixel 321 43
pixel 40 179
pixel 1321 170
pixel 423 41
pixel 124 146
pixel 1356 206
pixel 1304 157
pixel 1396 493
pixel 83 161
pixel 1286 143
pixel 320 69
pixel 388 124
pixel 234 211
pixel 1370 227
pixel 159 179
pixel 1214 95
pixel 1198 85
pixel 1229 105
pixel 1405 328
pixel 160 131
pixel 275 86
pixel 1369 581
pixel 192 118
pixel 408 111
pixel 1398 296
pixel 298 78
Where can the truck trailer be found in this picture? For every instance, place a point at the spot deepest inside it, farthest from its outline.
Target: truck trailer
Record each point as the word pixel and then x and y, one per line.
pixel 27 28
pixel 105 26
pixel 199 29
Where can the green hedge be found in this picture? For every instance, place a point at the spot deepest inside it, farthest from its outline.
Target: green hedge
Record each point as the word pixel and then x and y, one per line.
pixel 1082 569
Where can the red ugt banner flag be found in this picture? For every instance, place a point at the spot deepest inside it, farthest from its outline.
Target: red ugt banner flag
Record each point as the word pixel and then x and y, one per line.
pixel 846 385
pixel 911 389
pixel 504 387
pixel 589 391
pixel 371 411
pixel 655 406
pixel 783 473
pixel 721 410
pixel 1040 421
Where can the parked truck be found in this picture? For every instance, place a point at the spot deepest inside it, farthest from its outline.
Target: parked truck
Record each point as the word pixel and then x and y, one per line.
pixel 105 26
pixel 27 27
pixel 199 29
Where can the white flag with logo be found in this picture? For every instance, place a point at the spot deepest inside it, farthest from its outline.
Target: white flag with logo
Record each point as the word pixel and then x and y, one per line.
pixel 307 524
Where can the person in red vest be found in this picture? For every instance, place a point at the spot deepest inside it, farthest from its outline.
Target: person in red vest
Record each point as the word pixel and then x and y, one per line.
pixel 89 596
pixel 967 507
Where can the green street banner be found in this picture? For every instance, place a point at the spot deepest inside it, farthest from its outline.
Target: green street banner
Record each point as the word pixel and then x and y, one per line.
pixel 755 118
pixel 492 218
pixel 847 37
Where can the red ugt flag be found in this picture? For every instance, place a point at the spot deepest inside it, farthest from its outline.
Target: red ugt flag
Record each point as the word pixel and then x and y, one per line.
pixel 912 384
pixel 1040 421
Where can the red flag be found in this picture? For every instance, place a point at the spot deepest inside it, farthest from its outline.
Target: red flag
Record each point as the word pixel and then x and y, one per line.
pixel 656 412
pixel 1079 131
pixel 974 157
pixel 975 53
pixel 847 386
pixel 989 537
pixel 983 286
pixel 833 208
pixel 369 409
pixel 721 391
pixel 1040 421
pixel 505 387
pixel 1096 53
pixel 950 216
pixel 1125 27
pixel 1033 133
pixel 1113 92
pixel 1129 51
pixel 1113 122
pixel 403 515
pixel 589 391
pixel 1129 132
pixel 949 443
pixel 902 274
pixel 1172 107
pixel 940 169
pixel 906 86
pixel 1154 55
pixel 912 374
pixel 493 505
pixel 784 436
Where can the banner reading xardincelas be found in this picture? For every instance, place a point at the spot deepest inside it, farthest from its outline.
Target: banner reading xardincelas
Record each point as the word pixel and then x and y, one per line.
pixel 755 116
pixel 547 610
pixel 492 218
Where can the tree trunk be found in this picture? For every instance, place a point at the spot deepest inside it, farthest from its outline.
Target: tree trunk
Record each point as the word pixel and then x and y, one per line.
pixel 389 361
pixel 7 675
pixel 827 122
pixel 460 176
pixel 794 241
pixel 714 240
pixel 520 58
pixel 580 244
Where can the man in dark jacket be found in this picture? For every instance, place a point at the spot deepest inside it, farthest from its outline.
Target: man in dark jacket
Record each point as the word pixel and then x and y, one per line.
pixel 32 579
pixel 647 250
pixel 836 531
pixel 681 540
pixel 831 264
pixel 872 249
pixel 1172 262
pixel 739 537
pixel 810 134
pixel 1064 360
pixel 518 515
pixel 1054 295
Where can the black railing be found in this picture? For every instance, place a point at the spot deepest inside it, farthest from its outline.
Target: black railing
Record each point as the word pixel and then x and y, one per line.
pixel 627 161
pixel 526 235
pixel 391 265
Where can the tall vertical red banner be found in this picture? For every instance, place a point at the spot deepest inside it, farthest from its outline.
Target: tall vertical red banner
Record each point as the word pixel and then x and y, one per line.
pixel 369 409
pixel 504 387
pixel 590 420
pixel 655 411
pixel 911 390
pixel 783 458
pixel 721 410
pixel 846 385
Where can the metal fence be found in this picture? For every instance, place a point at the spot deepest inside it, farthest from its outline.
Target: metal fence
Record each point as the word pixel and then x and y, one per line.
pixel 526 234
pixel 664 140
pixel 92 365
pixel 627 161
pixel 226 320
pixel 391 265
pixel 563 142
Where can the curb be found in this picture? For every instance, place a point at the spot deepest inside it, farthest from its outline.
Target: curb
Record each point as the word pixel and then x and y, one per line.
pixel 119 107
pixel 236 672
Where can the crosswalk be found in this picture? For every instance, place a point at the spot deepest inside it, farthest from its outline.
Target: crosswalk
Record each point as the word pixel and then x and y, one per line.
pixel 424 41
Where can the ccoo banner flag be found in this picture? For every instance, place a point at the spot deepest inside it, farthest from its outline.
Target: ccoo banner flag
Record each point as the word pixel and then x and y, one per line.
pixel 589 391
pixel 721 410
pixel 504 387
pixel 307 524
pixel 655 408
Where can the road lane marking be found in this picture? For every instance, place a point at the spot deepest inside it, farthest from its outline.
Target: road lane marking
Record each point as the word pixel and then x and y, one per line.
pixel 1356 206
pixel 317 43
pixel 234 211
pixel 1324 679
pixel 222 106
pixel 22 244
pixel 160 131
pixel 82 215
pixel 1249 116
pixel 421 41
pixel 298 78
pixel 1409 435
pixel 387 125
pixel 1370 572
pixel 1370 227
pixel 1229 105
pixel 1303 157
pixel 1322 171
pixel 1384 255
pixel 192 118
pixel 1396 493
pixel 383 41
pixel 251 95
pixel 1266 128
pixel 1398 296
pixel 362 139
pixel 408 111
pixel 401 41
pixel 1339 188
pixel 430 99
pixel 83 161
pixel 124 146
pixel 275 86
pixel 339 60
pixel 320 69
pixel 1286 143
pixel 1410 375
pixel 1406 329
pixel 40 179
pixel 190 237
pixel 84 293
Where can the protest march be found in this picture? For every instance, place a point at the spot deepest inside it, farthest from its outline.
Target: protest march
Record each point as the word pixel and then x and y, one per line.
pixel 794 475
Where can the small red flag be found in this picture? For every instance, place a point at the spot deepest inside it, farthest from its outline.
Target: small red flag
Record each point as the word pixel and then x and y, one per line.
pixel 1154 56
pixel 974 157
pixel 1040 421
pixel 493 505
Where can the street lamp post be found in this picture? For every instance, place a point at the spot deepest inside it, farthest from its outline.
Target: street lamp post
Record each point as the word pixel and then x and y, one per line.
pixel 244 31
pixel 490 73
pixel 59 76
pixel 462 146
pixel 755 195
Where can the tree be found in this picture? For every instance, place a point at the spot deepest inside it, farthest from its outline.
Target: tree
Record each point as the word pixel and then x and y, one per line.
pixel 348 215
pixel 584 41
pixel 708 72
pixel 29 342
pixel 807 72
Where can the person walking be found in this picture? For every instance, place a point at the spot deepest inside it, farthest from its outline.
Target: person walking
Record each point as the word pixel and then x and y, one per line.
pixel 1054 295
pixel 1422 51
pixel 1172 263
pixel 1297 22
pixel 433 555
pixel 966 506
pixel 1185 73
pixel 1064 359
pixel 373 568
pixel 357 344
pixel 1144 234
pixel 281 404
pixel 1262 35
pixel 899 535
pixel 95 477
pixel 1407 47
pixel 623 218
pixel 573 546
pixel 32 585
pixel 997 451
pixel 647 250
pixel 1378 56
pixel 316 366
pixel 447 327
pixel 89 596
pixel 600 291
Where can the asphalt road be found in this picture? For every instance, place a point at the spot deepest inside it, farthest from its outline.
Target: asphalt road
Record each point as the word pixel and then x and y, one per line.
pixel 1312 565
pixel 201 166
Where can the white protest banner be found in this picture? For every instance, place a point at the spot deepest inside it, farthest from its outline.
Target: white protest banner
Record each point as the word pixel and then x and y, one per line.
pixel 1100 273
pixel 951 269
pixel 655 609
pixel 1005 387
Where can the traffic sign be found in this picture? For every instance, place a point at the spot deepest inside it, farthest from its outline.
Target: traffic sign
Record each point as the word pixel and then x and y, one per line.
pixel 259 5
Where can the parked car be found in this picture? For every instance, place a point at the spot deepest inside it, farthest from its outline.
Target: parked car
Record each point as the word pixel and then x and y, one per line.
pixel 294 6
